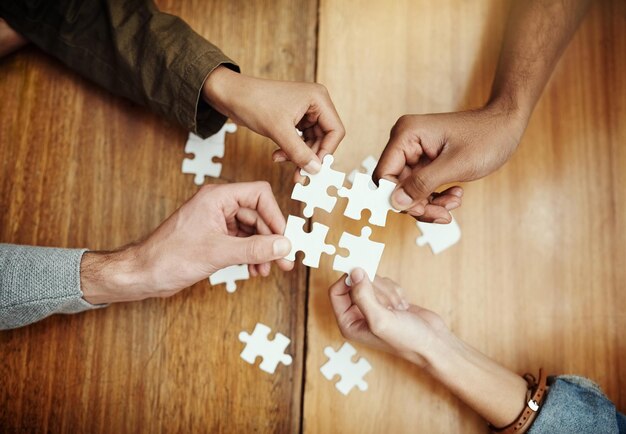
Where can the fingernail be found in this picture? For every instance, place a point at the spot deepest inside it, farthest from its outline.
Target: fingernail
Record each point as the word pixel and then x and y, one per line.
pixel 452 205
pixel 279 158
pixel 441 221
pixel 401 199
pixel 357 275
pixel 313 167
pixel 281 247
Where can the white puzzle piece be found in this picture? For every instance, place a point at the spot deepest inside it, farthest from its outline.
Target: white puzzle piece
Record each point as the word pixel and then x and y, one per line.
pixel 315 193
pixel 365 195
pixel 258 344
pixel 205 150
pixel 311 243
pixel 364 253
pixel 340 363
pixel 438 236
pixel 229 276
pixel 369 164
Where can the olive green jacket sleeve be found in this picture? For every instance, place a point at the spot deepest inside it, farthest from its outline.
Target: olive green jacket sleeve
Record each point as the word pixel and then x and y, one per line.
pixel 130 48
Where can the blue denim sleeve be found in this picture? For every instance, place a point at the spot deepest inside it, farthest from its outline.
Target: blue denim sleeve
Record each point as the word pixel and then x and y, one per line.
pixel 577 405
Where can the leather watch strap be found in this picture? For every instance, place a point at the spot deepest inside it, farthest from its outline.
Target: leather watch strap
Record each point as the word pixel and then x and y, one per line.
pixel 526 418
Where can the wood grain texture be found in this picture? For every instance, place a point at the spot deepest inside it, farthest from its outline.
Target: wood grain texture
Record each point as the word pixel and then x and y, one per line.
pixel 81 168
pixel 538 277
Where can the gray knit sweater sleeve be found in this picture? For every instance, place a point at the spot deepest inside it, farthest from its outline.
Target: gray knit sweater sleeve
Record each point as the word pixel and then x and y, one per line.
pixel 36 282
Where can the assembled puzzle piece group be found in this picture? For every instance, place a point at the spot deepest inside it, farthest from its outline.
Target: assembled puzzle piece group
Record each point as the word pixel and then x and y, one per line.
pixel 363 252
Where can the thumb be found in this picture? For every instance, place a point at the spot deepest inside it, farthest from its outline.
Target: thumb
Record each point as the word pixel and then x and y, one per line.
pixel 362 294
pixel 256 249
pixel 422 182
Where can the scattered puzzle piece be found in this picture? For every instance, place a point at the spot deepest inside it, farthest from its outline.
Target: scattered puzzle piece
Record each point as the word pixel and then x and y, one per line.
pixel 340 363
pixel 311 243
pixel 365 195
pixel 364 253
pixel 204 151
pixel 369 164
pixel 229 276
pixel 315 193
pixel 438 236
pixel 258 344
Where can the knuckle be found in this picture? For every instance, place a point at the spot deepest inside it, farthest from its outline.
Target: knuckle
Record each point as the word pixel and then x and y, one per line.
pixel 385 281
pixel 401 124
pixel 379 326
pixel 345 330
pixel 419 184
pixel 303 156
pixel 206 189
pixel 264 185
pixel 341 131
pixel 394 298
pixel 253 251
pixel 321 89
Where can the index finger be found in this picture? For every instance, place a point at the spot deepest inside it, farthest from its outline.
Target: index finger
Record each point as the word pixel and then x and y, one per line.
pixel 332 127
pixel 396 157
pixel 259 196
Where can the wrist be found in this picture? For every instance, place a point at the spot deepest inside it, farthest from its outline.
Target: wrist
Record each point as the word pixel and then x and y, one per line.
pixel 109 277
pixel 490 389
pixel 442 347
pixel 218 89
pixel 511 106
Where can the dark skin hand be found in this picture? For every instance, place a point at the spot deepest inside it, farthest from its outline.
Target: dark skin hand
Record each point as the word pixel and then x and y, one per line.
pixel 425 152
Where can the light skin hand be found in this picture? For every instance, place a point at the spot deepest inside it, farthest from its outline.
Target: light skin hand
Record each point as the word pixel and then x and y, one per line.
pixel 275 109
pixel 376 314
pixel 420 336
pixel 221 225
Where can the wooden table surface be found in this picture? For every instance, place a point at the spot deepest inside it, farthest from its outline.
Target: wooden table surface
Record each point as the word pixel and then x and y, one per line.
pixel 537 280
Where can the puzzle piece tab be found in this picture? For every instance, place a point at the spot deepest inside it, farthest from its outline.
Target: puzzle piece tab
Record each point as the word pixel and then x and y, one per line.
pixel 364 253
pixel 315 193
pixel 340 363
pixel 369 164
pixel 365 195
pixel 258 344
pixel 205 150
pixel 439 236
pixel 311 243
pixel 229 276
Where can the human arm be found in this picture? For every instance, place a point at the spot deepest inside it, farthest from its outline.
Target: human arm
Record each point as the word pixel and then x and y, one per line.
pixel 219 226
pixel 365 314
pixel 155 59
pixel 130 48
pixel 10 40
pixel 36 282
pixel 421 337
pixel 275 109
pixel 427 151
